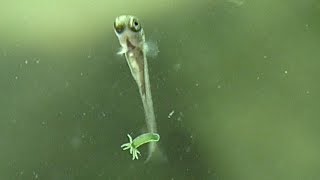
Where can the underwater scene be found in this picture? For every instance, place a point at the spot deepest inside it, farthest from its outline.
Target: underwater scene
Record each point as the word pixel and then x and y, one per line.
pixel 160 90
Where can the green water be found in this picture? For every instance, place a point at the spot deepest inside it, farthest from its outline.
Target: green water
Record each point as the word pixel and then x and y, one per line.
pixel 239 76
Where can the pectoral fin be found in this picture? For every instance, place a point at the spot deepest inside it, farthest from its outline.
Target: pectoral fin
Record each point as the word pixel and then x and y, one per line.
pixel 122 51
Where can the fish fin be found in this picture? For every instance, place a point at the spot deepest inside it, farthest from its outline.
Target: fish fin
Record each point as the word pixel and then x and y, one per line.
pixel 122 51
pixel 155 154
pixel 151 49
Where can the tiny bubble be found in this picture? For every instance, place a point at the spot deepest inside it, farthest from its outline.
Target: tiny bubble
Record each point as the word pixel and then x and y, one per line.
pixel 265 57
pixel 307 26
pixel 258 78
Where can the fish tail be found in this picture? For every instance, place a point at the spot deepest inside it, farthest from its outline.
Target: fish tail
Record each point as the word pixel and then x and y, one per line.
pixel 155 154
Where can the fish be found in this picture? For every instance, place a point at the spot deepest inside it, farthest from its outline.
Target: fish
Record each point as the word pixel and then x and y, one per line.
pixel 131 37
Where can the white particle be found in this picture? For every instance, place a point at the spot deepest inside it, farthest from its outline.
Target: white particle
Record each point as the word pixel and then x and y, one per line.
pixel 258 78
pixel 219 86
pixel 188 149
pixel 26 61
pixel 35 175
pixel 16 77
pixel 177 67
pixel 81 74
pixel 265 57
pixel 286 72
pixel 237 2
pixel 170 114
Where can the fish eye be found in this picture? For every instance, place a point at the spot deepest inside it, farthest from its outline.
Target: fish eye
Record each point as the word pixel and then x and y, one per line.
pixel 119 28
pixel 135 25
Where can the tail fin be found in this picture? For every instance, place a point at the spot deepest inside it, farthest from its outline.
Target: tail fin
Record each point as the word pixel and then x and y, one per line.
pixel 155 154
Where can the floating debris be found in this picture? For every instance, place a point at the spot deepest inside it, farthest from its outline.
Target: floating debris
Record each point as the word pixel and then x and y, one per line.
pixel 170 114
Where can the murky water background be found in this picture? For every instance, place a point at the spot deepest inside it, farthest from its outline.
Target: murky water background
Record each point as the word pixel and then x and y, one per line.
pixel 235 88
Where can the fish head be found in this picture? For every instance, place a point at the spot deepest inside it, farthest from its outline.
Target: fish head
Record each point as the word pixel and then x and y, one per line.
pixel 129 32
